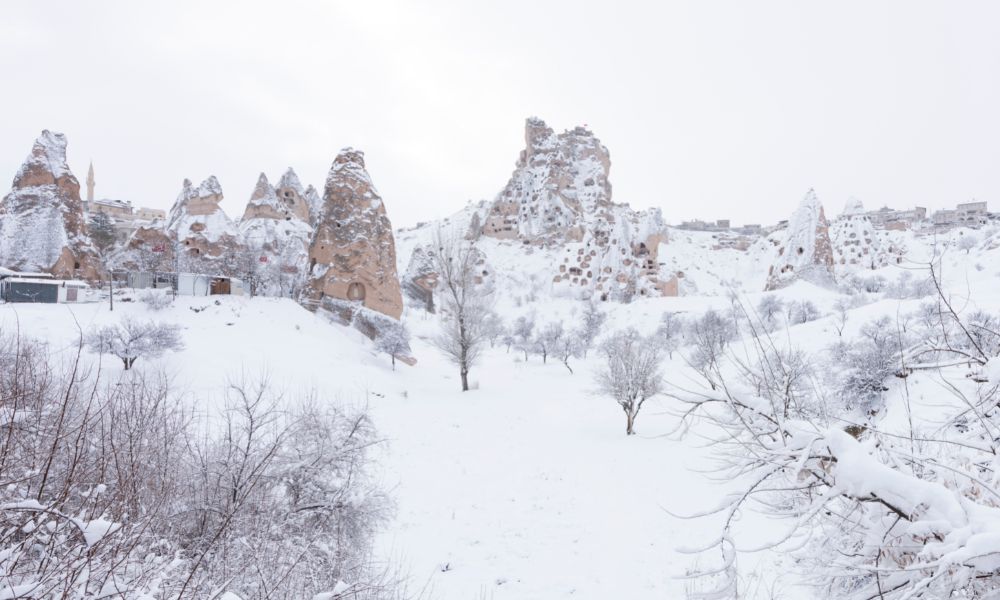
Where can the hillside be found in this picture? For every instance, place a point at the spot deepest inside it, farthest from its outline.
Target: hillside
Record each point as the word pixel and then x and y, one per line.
pixel 526 486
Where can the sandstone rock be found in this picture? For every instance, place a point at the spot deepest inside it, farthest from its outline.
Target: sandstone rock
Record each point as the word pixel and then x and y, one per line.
pixel 806 252
pixel 42 227
pixel 352 256
pixel 421 277
pixel 199 224
pixel 275 229
pixel 148 249
pixel 855 241
pixel 560 196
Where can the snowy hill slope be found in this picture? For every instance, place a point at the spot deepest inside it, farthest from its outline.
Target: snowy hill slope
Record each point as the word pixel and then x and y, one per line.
pixel 526 486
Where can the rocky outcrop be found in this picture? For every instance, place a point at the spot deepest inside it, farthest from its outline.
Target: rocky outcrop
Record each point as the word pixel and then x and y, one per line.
pixel 421 278
pixel 352 257
pixel 148 249
pixel 275 229
pixel 806 252
pixel 198 224
pixel 559 197
pixel 42 225
pixel 855 241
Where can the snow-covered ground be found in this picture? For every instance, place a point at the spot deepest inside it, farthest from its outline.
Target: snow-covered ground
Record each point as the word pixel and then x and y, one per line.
pixel 526 486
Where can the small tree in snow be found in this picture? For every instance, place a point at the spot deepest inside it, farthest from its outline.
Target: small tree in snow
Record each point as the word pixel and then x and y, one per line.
pixel 631 374
pixel 710 335
pixel 394 341
pixel 547 340
pixel 465 306
pixel 967 242
pixel 494 327
pixel 570 345
pixel 523 333
pixel 131 339
pixel 668 334
pixel 841 308
pixel 770 310
pixel 593 322
pixel 802 312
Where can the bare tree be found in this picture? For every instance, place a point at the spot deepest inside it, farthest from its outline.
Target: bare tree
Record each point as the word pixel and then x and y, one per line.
pixel 710 335
pixel 131 339
pixel 548 339
pixel 395 342
pixel 570 345
pixel 669 333
pixel 593 322
pixel 840 315
pixel 523 333
pixel 770 311
pixel 631 374
pixel 466 303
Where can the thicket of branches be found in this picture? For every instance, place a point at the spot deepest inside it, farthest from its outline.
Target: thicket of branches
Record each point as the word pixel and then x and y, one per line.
pixel 111 488
pixel 869 510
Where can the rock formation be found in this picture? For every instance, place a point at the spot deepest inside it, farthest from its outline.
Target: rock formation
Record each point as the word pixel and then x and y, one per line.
pixel 275 228
pixel 42 226
pixel 421 277
pixel 559 196
pixel 352 257
pixel 148 249
pixel 198 223
pixel 855 241
pixel 806 252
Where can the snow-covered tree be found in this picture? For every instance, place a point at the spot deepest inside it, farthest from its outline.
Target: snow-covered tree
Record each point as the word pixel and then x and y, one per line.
pixel 523 333
pixel 394 341
pixel 547 339
pixel 802 311
pixel 570 345
pixel 670 333
pixel 466 304
pixel 101 229
pixel 593 321
pixel 131 339
pixel 710 335
pixel 967 242
pixel 771 311
pixel 631 373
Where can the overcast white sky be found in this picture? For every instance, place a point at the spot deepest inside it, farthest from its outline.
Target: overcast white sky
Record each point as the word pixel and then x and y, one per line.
pixel 710 109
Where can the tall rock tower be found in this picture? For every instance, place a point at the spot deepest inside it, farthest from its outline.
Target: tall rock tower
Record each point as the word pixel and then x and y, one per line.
pixel 42 226
pixel 352 257
pixel 90 183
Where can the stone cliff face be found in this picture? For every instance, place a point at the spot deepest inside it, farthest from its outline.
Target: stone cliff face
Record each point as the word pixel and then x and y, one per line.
pixel 197 222
pixel 559 197
pixel 806 252
pixel 275 229
pixel 352 256
pixel 42 226
pixel 856 243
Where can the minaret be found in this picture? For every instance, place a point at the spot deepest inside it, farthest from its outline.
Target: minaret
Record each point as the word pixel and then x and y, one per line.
pixel 90 183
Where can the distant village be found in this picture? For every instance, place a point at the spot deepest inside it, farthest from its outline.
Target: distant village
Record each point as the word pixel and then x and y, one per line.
pixel 969 214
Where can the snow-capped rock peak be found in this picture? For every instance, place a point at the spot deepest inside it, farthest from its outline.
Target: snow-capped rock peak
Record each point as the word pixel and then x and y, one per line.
pixel 46 163
pixel 42 226
pixel 291 180
pixel 806 252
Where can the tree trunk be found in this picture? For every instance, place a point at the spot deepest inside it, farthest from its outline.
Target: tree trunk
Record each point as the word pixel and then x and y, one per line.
pixel 566 362
pixel 393 361
pixel 465 380
pixel 630 422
